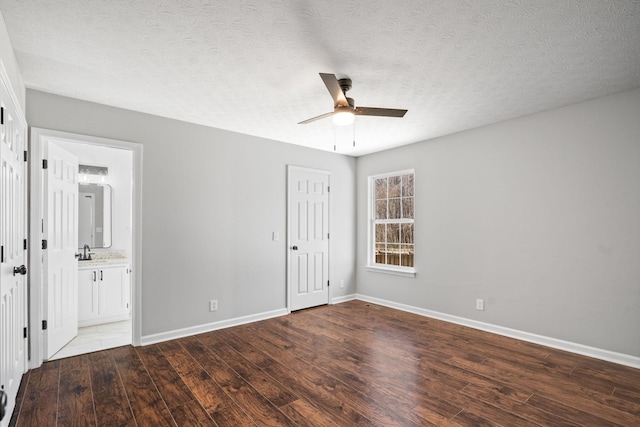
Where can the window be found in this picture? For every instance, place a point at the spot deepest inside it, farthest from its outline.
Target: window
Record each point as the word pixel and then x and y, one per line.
pixel 391 217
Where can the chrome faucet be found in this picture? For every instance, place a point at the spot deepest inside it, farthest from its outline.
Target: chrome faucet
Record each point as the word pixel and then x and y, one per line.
pixel 86 249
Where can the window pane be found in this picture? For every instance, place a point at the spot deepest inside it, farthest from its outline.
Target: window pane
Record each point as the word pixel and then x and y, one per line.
pixel 407 185
pixel 406 257
pixel 393 254
pixel 381 209
pixel 393 233
pixel 393 243
pixel 394 186
pixel 394 208
pixel 381 188
pixel 380 254
pixel 407 207
pixel 407 233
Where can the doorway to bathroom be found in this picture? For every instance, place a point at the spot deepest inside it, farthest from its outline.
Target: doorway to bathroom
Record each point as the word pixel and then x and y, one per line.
pixel 86 207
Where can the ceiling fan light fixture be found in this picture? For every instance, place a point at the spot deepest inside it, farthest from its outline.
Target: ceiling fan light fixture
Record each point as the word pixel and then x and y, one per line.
pixel 343 118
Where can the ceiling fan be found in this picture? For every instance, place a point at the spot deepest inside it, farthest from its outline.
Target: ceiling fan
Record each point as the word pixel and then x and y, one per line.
pixel 344 109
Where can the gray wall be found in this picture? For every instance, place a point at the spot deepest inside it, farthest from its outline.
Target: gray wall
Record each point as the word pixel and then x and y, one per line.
pixel 211 200
pixel 539 216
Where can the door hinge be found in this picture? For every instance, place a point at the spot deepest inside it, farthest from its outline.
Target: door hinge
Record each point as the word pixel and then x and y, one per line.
pixel 45 164
pixel 24 333
pixel 328 189
pixel 24 244
pixel 327 283
pixel 44 325
pixel 327 235
pixel 25 155
pixel 44 244
pixel 1 253
pixel 1 115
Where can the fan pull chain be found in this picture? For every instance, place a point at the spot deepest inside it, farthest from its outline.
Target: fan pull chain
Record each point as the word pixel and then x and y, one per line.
pixel 334 138
pixel 354 133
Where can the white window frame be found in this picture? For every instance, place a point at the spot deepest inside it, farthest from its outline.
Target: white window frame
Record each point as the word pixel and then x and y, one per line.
pixel 371 218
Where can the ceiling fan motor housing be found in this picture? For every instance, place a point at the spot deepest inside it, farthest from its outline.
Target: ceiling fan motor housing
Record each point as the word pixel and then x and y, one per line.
pixel 345 85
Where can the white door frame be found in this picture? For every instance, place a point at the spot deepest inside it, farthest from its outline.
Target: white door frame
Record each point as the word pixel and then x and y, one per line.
pixel 289 232
pixel 36 304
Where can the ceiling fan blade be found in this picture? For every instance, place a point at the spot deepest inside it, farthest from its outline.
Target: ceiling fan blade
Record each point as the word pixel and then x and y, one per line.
pixel 335 90
pixel 313 119
pixel 383 112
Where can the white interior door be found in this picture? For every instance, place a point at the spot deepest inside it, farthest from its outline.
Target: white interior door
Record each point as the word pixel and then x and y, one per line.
pixel 308 232
pixel 13 292
pixel 61 232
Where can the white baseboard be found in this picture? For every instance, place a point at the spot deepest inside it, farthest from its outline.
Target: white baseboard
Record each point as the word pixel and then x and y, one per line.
pixel 343 298
pixel 598 353
pixel 207 327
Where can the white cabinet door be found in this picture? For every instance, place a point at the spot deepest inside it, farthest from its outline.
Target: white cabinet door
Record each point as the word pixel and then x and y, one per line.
pixel 103 295
pixel 87 296
pixel 114 291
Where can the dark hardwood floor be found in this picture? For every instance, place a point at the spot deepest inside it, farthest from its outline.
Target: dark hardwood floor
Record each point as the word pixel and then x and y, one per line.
pixel 351 364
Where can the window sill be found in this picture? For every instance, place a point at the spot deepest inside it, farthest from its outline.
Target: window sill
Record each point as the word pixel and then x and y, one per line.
pixel 409 272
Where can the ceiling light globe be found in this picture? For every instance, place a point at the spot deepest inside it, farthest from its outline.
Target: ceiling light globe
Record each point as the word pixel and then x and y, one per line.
pixel 343 118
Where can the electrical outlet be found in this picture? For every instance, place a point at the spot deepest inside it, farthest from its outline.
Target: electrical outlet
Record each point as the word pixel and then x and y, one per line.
pixel 480 304
pixel 341 284
pixel 213 305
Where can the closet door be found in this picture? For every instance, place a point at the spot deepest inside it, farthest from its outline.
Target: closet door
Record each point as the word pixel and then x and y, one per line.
pixel 13 253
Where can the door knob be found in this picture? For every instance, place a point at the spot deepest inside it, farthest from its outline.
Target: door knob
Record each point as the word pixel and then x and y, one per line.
pixel 22 270
pixel 294 248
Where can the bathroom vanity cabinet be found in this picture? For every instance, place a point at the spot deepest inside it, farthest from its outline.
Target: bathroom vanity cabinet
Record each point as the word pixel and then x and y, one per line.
pixel 103 294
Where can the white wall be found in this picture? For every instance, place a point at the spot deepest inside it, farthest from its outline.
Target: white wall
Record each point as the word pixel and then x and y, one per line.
pixel 211 199
pixel 10 65
pixel 120 164
pixel 539 216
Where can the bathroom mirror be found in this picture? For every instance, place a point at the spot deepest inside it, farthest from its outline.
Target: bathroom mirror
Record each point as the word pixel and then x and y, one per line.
pixel 94 215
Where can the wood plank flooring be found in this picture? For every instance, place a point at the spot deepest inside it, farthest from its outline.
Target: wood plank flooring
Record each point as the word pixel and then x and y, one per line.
pixel 351 364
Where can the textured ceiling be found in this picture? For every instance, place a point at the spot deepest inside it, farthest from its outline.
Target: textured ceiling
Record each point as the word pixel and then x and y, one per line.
pixel 252 66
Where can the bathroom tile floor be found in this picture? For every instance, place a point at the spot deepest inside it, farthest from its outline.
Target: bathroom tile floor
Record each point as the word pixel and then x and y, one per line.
pixel 96 338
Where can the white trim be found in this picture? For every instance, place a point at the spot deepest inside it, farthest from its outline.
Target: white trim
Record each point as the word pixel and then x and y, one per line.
pixel 343 298
pixel 208 327
pixel 585 350
pixel 6 81
pixel 389 270
pixel 37 135
pixel 394 173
